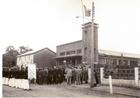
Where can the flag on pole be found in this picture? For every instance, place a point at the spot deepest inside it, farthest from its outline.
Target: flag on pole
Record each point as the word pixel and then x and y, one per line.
pixel 87 11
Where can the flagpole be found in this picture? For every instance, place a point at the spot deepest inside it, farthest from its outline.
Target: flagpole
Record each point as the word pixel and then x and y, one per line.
pixel 82 10
pixel 92 82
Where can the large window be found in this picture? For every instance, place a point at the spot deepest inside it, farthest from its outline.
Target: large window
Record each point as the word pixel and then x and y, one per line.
pixel 62 53
pixel 70 52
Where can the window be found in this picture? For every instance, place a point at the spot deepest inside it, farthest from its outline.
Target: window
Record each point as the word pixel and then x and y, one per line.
pixel 133 63
pixel 114 61
pixel 62 53
pixel 85 33
pixel 85 50
pixel 102 61
pixel 70 52
pixel 120 62
pixel 125 62
pixel 79 51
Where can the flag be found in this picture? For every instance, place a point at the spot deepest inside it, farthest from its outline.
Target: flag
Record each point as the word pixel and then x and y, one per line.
pixel 87 11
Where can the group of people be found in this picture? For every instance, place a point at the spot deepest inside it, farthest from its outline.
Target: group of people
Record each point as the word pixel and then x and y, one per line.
pixel 72 75
pixel 56 75
pixel 16 73
pixel 76 75
pixel 16 77
pixel 50 75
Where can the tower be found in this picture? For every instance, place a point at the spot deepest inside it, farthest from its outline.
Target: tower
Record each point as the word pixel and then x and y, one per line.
pixel 86 39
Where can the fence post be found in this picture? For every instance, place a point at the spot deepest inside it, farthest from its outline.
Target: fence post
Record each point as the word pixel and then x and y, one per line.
pixel 110 84
pixel 136 76
pixel 89 75
pixel 101 74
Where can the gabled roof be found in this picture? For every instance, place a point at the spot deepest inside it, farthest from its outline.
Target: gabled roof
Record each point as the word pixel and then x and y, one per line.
pixel 115 53
pixel 34 51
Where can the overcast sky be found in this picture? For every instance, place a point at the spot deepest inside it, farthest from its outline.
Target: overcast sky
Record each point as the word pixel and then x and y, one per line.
pixel 48 23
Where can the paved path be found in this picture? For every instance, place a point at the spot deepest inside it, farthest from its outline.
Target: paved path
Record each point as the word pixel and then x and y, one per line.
pixel 61 90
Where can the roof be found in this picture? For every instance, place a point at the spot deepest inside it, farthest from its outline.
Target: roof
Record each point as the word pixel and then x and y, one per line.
pixel 34 51
pixel 115 53
pixel 79 41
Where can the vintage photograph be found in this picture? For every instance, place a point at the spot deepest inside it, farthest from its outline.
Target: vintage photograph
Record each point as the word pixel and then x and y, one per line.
pixel 70 48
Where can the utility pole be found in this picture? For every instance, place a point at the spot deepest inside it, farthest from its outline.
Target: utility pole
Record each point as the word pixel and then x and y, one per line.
pixel 93 81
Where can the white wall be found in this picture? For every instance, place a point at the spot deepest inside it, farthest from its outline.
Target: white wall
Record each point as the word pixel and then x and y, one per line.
pixel 24 60
pixel 121 82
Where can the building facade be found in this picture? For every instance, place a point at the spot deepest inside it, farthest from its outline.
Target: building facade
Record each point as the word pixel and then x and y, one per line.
pixel 78 52
pixel 69 54
pixel 42 58
pixel 72 54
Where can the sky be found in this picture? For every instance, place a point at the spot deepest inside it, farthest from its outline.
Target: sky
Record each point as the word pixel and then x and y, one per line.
pixel 48 23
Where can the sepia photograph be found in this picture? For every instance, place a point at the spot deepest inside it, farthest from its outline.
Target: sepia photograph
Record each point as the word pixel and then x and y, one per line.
pixel 70 48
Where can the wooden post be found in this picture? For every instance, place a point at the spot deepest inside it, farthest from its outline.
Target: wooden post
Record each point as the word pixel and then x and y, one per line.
pixel 136 76
pixel 92 56
pixel 110 84
pixel 101 74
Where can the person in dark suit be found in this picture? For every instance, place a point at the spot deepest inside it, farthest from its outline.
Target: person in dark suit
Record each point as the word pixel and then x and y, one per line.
pixel 96 78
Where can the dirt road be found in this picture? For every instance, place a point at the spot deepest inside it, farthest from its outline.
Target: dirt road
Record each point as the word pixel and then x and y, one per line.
pixel 60 90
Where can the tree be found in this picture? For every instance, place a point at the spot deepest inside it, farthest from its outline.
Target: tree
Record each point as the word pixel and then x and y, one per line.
pixel 9 58
pixel 23 49
pixel 10 48
pixel 10 55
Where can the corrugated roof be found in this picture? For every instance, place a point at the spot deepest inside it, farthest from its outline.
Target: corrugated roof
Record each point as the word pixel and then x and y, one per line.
pixel 115 53
pixel 101 51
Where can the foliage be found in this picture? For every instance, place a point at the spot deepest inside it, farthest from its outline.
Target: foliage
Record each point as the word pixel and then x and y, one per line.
pixel 23 49
pixel 10 55
pixel 110 68
pixel 9 58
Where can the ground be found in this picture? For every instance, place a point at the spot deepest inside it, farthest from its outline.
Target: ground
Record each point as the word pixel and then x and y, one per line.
pixel 60 90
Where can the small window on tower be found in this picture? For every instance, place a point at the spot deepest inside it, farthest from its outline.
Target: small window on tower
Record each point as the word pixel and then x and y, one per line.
pixel 85 35
pixel 85 50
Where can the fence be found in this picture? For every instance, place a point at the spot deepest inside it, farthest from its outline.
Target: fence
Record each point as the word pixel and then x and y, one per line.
pixel 122 72
pixel 124 80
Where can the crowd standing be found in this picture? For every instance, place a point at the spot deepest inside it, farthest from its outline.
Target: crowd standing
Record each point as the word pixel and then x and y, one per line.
pixel 50 75
pixel 72 75
pixel 56 75
pixel 15 73
pixel 76 75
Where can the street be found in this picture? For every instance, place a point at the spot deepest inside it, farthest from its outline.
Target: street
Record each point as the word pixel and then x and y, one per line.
pixel 60 90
